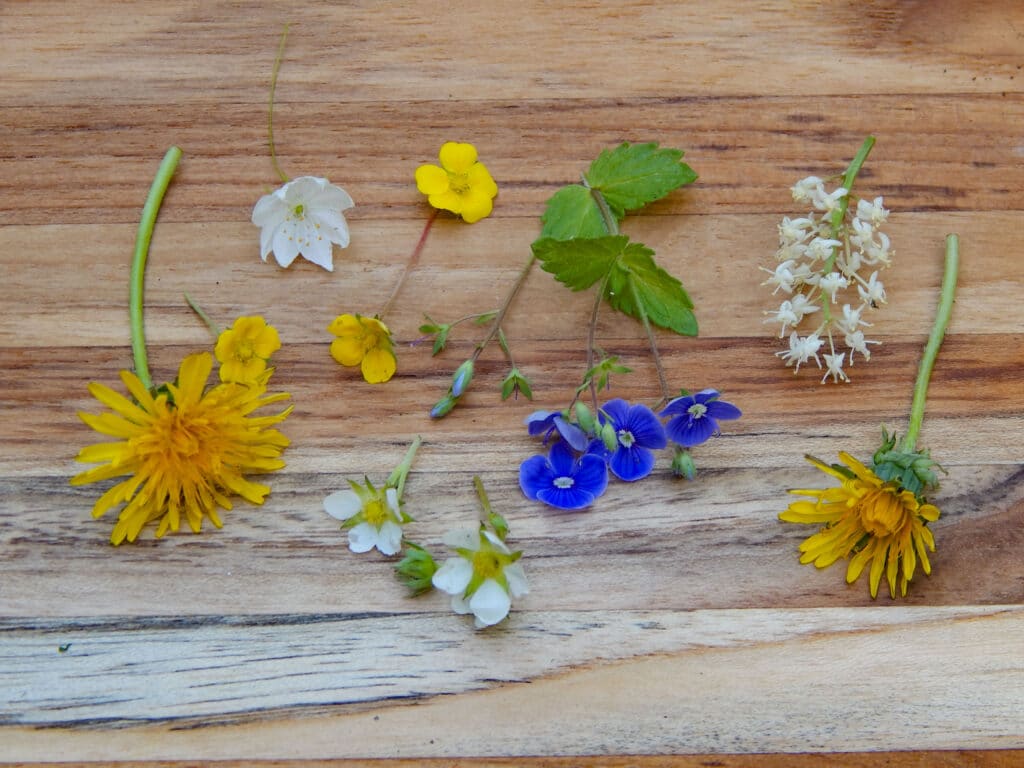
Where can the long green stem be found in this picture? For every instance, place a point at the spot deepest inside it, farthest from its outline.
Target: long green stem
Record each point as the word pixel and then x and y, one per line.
pixel 214 328
pixel 397 478
pixel 481 493
pixel 138 273
pixel 666 395
pixel 931 350
pixel 270 109
pixel 500 317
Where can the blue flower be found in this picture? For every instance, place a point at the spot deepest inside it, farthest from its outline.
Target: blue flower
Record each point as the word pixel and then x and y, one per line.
pixel 637 431
pixel 561 480
pixel 547 422
pixel 696 417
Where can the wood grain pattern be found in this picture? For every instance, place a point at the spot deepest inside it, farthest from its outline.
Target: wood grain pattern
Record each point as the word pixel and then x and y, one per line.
pixel 670 625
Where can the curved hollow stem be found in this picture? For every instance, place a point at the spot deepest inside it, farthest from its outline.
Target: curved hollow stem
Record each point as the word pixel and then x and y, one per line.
pixel 138 272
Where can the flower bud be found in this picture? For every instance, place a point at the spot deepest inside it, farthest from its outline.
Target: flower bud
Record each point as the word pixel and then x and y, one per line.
pixel 609 436
pixel 585 418
pixel 463 376
pixel 683 465
pixel 443 407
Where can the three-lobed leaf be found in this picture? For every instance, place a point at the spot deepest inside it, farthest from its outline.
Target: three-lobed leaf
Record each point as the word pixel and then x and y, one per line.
pixel 633 175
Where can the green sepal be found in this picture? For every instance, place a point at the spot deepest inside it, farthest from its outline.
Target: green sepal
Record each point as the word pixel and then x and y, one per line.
pixel 572 212
pixel 499 524
pixel 515 383
pixel 633 175
pixel 416 570
pixel 683 464
pixel 912 470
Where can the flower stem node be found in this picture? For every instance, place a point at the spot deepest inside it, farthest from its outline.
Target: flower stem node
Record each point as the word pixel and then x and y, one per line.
pixel 484 576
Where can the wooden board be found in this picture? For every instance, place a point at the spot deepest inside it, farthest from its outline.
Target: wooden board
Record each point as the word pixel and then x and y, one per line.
pixel 670 619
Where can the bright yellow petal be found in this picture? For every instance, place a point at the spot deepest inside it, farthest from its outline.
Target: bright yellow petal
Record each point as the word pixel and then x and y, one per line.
pixel 345 325
pixel 457 158
pixel 347 350
pixel 475 206
pixel 447 201
pixel 480 180
pixel 267 342
pixel 431 180
pixel 379 365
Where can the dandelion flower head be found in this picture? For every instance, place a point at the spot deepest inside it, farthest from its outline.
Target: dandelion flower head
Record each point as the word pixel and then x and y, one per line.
pixel 877 522
pixel 186 450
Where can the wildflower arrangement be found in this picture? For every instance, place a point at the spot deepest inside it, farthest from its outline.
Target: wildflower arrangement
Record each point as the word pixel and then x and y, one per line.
pixel 878 516
pixel 185 447
pixel 822 260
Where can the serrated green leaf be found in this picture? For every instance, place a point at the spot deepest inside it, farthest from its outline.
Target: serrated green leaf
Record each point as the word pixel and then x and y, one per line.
pixel 571 212
pixel 664 300
pixel 633 175
pixel 579 263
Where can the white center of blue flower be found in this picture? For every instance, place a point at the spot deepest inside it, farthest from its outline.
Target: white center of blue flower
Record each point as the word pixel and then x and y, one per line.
pixel 626 438
pixel 564 482
pixel 697 410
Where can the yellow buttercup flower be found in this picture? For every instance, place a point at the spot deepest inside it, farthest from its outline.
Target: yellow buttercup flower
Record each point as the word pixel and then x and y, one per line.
pixel 876 521
pixel 462 184
pixel 366 342
pixel 244 349
pixel 186 451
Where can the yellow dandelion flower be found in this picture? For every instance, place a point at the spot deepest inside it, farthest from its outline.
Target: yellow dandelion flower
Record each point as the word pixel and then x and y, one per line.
pixel 462 184
pixel 879 522
pixel 366 342
pixel 186 451
pixel 244 349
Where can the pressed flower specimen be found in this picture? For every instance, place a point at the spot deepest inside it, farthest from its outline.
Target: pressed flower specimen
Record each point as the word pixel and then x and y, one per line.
pixel 185 448
pixel 461 184
pixel 374 516
pixel 636 434
pixel 878 515
pixel 694 418
pixel 484 576
pixel 562 480
pixel 366 342
pixel 244 349
pixel 303 218
pixel 822 258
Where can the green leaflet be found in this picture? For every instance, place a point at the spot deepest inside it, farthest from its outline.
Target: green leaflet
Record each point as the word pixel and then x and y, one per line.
pixel 571 212
pixel 633 175
pixel 631 274
pixel 628 177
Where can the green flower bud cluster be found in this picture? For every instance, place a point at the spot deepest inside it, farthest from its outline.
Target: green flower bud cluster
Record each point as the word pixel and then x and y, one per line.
pixel 913 470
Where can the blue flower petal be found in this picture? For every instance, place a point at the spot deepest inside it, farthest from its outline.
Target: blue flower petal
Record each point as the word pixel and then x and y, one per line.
pixel 572 434
pixel 539 422
pixel 688 431
pixel 632 464
pixel 678 406
pixel 706 394
pixel 535 474
pixel 617 410
pixel 561 460
pixel 592 474
pixel 719 409
pixel 647 431
pixel 566 498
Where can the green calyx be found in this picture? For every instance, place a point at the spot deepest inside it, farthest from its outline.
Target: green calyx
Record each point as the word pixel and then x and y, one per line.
pixel 911 469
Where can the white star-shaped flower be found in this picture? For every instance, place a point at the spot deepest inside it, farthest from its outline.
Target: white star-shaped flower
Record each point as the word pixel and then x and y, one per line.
pixel 801 350
pixel 376 518
pixel 303 218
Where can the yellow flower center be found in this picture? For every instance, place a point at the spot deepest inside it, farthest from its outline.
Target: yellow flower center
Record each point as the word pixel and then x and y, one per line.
pixel 486 564
pixel 245 350
pixel 882 511
pixel 375 512
pixel 299 212
pixel 458 182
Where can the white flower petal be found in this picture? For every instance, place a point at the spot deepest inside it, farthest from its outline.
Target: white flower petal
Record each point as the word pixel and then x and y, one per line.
pixel 331 198
pixel 286 248
pixel 332 226
pixel 516 577
pixel 490 603
pixel 497 543
pixel 343 504
pixel 391 496
pixel 389 538
pixel 460 605
pixel 318 251
pixel 463 538
pixel 454 576
pixel 362 538
pixel 269 210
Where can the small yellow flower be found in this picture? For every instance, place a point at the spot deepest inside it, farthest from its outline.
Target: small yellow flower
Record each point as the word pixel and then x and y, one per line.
pixel 366 342
pixel 461 185
pixel 877 521
pixel 244 349
pixel 186 450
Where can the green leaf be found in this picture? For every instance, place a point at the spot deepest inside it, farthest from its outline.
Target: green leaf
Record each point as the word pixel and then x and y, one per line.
pixel 579 263
pixel 633 175
pixel 572 212
pixel 664 300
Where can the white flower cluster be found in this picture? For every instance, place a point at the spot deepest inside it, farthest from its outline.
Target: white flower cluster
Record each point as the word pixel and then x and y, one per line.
pixel 820 260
